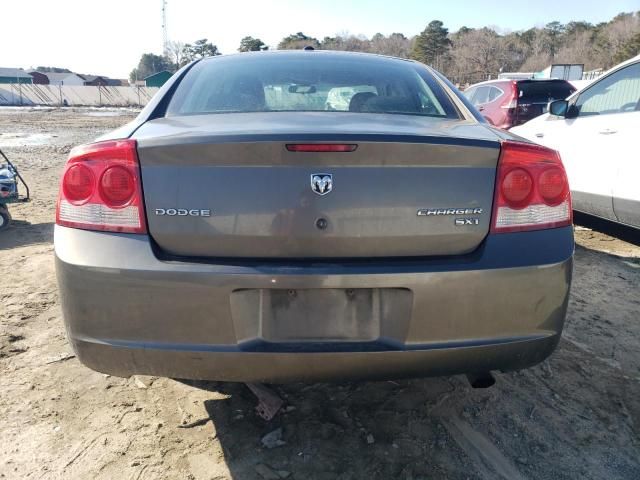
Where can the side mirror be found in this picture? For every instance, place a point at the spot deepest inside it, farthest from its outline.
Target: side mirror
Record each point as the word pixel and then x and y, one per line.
pixel 559 108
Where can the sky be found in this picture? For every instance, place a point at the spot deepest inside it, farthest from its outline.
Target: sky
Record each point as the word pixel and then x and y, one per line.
pixel 108 37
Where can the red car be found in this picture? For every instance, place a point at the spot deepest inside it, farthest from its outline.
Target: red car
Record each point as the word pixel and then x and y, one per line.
pixel 507 103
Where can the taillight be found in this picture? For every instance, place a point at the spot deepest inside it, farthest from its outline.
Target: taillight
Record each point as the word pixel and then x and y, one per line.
pixel 101 188
pixel 517 187
pixel 511 104
pixel 512 97
pixel 79 183
pixel 117 186
pixel 532 192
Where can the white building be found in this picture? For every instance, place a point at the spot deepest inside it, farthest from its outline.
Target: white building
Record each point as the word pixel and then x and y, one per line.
pixel 64 78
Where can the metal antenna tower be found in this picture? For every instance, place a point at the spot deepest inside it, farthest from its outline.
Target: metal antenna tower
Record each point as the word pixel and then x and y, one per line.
pixel 165 36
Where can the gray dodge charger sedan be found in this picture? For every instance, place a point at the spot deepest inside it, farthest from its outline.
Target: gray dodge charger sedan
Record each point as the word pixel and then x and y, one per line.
pixel 310 215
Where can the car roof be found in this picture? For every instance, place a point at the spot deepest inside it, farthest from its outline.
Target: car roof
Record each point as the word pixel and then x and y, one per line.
pixel 613 69
pixel 310 53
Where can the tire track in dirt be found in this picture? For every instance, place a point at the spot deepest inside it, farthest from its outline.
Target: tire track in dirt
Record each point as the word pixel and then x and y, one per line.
pixel 488 459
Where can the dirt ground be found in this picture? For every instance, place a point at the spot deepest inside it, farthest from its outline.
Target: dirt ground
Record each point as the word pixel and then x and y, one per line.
pixel 577 415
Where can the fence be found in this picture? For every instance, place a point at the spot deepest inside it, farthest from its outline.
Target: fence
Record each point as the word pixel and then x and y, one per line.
pixel 67 95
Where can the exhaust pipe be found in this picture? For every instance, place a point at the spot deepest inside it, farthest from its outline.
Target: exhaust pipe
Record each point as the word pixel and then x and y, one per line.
pixel 481 380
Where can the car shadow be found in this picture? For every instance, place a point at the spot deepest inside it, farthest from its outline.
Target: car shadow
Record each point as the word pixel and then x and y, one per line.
pixel 347 430
pixel 617 230
pixel 21 233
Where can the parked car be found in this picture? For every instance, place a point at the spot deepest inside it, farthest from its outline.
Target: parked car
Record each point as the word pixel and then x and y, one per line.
pixel 596 132
pixel 339 98
pixel 231 235
pixel 507 103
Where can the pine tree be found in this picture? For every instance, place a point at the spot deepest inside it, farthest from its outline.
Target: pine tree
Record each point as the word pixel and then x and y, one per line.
pixel 432 44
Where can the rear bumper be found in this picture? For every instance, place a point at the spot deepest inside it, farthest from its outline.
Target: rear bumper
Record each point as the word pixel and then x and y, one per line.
pixel 128 312
pixel 276 367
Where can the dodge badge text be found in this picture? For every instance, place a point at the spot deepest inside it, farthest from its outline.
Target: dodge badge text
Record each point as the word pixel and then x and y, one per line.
pixel 183 212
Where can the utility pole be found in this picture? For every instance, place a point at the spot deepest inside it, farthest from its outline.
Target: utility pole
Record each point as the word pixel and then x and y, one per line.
pixel 165 36
pixel 19 85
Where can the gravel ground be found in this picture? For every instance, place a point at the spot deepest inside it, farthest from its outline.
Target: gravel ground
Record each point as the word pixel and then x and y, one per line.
pixel 577 415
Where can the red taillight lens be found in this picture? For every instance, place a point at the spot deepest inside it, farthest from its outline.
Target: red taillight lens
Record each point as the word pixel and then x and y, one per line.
pixel 552 185
pixel 101 189
pixel 321 147
pixel 117 186
pixel 77 183
pixel 517 186
pixel 532 192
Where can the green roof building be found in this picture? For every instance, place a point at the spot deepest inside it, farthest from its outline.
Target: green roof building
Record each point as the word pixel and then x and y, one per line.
pixel 14 75
pixel 157 79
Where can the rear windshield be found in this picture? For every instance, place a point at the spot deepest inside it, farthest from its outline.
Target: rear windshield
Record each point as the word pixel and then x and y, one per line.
pixel 544 91
pixel 314 82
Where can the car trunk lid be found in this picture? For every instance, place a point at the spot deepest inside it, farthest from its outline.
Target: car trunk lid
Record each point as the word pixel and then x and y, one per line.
pixel 535 95
pixel 228 186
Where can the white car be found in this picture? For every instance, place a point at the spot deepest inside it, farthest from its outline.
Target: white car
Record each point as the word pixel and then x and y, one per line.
pixel 597 132
pixel 339 98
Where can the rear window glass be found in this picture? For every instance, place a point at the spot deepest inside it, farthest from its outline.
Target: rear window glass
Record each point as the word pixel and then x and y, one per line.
pixel 544 92
pixel 292 83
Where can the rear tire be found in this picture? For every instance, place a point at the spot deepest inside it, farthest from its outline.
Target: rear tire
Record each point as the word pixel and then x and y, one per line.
pixel 5 218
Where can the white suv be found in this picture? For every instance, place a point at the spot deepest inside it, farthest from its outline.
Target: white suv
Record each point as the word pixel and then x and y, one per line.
pixel 596 130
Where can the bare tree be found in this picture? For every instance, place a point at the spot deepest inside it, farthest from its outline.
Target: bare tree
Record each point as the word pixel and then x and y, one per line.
pixel 477 55
pixel 615 35
pixel 622 28
pixel 396 45
pixel 175 50
pixel 536 62
pixel 578 50
pixel 347 42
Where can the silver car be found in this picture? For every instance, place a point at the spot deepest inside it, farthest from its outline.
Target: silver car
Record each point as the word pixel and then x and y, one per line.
pixel 239 230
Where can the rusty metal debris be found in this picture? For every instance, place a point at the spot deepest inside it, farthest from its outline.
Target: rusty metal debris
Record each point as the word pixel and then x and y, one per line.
pixel 269 403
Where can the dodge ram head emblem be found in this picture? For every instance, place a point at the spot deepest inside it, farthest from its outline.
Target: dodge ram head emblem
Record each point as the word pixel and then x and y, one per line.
pixel 321 183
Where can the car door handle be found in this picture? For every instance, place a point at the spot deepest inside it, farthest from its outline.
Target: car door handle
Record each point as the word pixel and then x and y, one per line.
pixel 480 109
pixel 607 132
pixel 539 135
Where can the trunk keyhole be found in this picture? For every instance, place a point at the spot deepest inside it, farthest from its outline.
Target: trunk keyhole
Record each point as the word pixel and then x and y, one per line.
pixel 322 223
